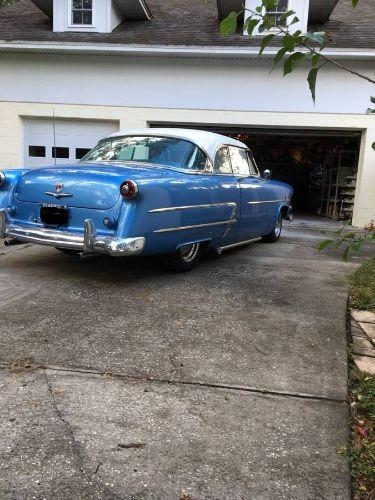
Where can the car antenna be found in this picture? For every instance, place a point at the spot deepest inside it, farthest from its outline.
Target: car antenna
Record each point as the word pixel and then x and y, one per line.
pixel 54 133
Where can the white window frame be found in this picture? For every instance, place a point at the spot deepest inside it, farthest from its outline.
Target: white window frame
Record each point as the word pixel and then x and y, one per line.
pixel 80 27
pixel 300 7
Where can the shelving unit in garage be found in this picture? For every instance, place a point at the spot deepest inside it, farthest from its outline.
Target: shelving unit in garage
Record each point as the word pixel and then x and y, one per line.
pixel 338 185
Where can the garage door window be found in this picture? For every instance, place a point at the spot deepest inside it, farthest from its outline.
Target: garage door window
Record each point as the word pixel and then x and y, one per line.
pixel 37 151
pixel 81 152
pixel 60 152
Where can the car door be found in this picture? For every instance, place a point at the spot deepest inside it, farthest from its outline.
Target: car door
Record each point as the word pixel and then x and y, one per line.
pixel 229 191
pixel 255 206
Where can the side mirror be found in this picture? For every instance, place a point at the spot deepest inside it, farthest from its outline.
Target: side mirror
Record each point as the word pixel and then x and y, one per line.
pixel 266 174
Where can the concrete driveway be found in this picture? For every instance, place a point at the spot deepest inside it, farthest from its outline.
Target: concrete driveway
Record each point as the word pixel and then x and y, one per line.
pixel 121 381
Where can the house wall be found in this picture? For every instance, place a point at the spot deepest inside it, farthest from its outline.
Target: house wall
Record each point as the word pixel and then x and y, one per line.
pixel 178 83
pixel 182 91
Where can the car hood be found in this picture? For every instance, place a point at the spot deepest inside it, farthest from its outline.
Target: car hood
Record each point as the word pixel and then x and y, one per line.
pixel 86 185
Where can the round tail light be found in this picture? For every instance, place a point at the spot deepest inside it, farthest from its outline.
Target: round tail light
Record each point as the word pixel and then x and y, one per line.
pixel 129 190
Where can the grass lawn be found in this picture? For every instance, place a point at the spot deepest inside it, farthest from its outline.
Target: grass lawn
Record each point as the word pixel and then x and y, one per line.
pixel 361 451
pixel 362 287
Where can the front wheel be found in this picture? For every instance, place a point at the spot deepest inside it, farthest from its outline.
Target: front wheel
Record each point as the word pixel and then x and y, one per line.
pixel 184 259
pixel 275 234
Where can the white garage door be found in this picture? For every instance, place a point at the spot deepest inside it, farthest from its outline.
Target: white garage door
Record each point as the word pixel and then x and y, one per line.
pixel 74 138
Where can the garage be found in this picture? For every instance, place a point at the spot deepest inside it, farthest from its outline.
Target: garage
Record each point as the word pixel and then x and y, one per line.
pixel 63 141
pixel 321 165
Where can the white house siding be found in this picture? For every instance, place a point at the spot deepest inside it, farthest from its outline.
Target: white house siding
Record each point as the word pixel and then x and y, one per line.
pixel 136 91
pixel 178 83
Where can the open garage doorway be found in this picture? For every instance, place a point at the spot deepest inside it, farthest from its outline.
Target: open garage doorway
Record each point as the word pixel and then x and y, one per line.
pixel 321 165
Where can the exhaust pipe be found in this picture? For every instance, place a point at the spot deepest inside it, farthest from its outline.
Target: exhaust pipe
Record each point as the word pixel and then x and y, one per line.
pixel 87 255
pixel 12 242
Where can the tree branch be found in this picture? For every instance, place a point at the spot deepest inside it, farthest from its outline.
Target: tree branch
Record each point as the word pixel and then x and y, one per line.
pixel 312 50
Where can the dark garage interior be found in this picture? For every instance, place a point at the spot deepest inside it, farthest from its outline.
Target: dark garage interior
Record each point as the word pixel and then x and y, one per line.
pixel 320 165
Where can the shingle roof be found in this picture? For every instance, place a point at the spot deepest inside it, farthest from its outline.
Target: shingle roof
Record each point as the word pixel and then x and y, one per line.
pixel 183 22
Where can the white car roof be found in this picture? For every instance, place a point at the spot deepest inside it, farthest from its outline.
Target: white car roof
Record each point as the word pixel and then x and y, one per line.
pixel 208 141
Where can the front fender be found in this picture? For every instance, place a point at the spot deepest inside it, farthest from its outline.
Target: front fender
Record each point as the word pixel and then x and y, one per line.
pixel 11 181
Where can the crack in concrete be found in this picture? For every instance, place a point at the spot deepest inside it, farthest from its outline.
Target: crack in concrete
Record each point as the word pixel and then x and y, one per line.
pixel 76 447
pixel 212 385
pixel 7 252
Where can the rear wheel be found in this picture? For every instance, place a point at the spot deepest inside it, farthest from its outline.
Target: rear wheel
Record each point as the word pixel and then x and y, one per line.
pixel 184 259
pixel 67 251
pixel 275 234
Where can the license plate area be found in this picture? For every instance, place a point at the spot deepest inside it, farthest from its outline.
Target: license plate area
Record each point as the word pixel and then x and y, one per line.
pixel 54 215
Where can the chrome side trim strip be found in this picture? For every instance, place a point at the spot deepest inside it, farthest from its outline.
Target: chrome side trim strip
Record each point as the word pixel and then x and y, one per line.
pixel 195 226
pixel 188 207
pixel 266 201
pixel 234 245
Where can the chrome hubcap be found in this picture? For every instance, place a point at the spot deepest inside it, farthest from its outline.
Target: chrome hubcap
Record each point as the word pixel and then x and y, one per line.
pixel 278 227
pixel 189 252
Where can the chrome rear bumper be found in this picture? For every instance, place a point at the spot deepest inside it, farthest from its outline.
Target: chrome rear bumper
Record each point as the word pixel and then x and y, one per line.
pixel 87 242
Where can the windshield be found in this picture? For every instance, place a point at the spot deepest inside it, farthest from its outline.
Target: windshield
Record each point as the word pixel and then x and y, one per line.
pixel 167 151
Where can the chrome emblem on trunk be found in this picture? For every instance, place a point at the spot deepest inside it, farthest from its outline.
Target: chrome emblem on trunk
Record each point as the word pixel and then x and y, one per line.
pixel 59 186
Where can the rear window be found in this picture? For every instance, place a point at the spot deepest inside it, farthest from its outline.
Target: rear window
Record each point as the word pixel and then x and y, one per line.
pixel 167 151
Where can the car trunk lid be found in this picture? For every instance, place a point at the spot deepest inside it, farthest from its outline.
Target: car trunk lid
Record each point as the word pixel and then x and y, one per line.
pixel 94 186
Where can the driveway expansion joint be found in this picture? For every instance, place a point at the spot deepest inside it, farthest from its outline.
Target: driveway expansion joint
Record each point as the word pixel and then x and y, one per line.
pixel 211 385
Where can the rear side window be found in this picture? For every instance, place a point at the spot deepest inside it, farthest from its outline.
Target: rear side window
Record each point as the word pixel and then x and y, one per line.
pixel 241 163
pixel 222 161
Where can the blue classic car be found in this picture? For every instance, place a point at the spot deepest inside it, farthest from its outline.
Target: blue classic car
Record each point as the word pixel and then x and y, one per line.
pixel 167 192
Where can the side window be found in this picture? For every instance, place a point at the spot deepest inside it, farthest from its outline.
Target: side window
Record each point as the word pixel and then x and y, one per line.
pixel 222 161
pixel 253 167
pixel 240 161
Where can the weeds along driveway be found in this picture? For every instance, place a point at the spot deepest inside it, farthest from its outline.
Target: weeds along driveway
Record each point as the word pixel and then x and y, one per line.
pixel 226 382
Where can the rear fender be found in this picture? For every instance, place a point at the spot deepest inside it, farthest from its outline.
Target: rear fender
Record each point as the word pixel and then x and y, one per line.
pixel 7 191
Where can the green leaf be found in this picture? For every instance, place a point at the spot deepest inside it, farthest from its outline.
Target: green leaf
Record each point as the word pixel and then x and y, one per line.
pixel 290 42
pixel 315 59
pixel 357 246
pixel 228 26
pixel 325 244
pixel 270 4
pixel 291 62
pixel 355 3
pixel 279 56
pixel 250 25
pixel 266 41
pixel 311 78
pixel 349 235
pixel 285 16
pixel 294 21
pixel 373 146
pixel 345 254
pixel 317 36
pixel 372 99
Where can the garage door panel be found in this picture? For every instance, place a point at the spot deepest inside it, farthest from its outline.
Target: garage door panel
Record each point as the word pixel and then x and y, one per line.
pixel 73 139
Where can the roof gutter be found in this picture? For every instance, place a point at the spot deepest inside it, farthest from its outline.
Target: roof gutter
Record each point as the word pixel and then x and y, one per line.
pixel 170 50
